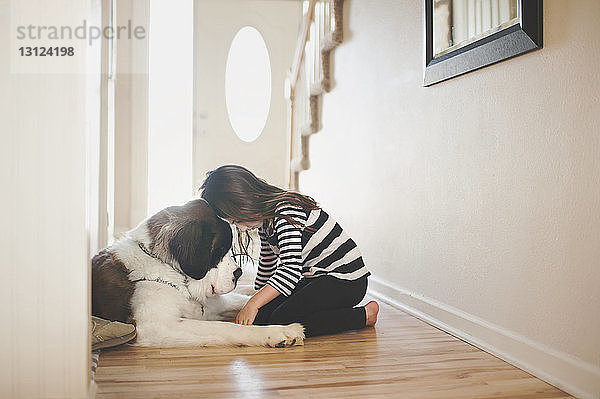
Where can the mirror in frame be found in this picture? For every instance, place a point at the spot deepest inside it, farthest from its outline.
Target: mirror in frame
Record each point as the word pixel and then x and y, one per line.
pixel 464 35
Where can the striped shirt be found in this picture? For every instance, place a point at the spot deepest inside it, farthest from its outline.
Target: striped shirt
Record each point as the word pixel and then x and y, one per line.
pixel 289 253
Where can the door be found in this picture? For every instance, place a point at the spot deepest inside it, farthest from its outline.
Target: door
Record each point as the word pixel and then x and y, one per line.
pixel 216 143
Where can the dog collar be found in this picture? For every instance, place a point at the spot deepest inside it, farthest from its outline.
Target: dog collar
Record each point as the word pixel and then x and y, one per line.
pixel 150 254
pixel 183 289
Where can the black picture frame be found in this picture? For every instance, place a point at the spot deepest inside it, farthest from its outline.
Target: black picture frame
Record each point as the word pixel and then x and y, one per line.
pixel 525 36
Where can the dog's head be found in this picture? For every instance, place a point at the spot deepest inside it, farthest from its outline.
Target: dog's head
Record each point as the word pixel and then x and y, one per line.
pixel 194 238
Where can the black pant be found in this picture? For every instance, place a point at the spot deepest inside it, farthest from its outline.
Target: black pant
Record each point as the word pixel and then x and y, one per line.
pixel 324 305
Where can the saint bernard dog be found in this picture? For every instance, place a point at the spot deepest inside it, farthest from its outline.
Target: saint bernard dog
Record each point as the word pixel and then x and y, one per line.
pixel 169 277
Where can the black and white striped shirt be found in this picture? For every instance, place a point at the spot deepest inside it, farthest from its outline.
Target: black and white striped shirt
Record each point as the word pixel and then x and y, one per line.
pixel 289 253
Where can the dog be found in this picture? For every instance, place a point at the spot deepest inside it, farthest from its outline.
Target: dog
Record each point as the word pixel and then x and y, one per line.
pixel 173 276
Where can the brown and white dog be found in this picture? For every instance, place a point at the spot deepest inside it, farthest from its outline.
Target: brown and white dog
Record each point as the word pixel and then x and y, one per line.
pixel 169 276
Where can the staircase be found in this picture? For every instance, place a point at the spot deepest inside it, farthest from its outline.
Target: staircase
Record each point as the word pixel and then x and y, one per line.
pixel 311 77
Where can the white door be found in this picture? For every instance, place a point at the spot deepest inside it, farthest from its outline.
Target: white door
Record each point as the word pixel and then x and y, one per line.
pixel 216 143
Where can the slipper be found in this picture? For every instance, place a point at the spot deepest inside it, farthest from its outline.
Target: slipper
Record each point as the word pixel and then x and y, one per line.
pixel 106 334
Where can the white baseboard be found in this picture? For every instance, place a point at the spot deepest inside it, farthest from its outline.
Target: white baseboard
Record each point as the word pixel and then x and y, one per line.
pixel 572 375
pixel 92 390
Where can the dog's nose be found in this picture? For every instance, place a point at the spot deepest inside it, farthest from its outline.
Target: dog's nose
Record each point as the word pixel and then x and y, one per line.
pixel 236 274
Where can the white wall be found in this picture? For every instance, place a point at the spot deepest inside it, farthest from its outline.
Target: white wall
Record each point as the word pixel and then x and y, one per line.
pixel 170 103
pixel 475 201
pixel 131 119
pixel 48 119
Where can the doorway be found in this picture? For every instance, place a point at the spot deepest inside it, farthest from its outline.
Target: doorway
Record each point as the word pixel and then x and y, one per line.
pixel 217 24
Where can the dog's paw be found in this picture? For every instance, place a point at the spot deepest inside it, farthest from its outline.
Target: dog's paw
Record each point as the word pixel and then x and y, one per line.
pixel 286 336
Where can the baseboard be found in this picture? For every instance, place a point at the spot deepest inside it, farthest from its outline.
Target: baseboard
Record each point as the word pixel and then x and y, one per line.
pixel 572 375
pixel 92 390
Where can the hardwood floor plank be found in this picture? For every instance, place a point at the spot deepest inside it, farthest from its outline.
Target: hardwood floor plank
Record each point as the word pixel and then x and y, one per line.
pixel 402 357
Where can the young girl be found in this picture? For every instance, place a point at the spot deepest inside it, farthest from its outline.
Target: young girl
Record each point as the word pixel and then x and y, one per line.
pixel 309 270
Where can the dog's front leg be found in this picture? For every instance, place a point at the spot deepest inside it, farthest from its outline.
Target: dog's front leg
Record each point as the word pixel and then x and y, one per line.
pixel 225 307
pixel 188 332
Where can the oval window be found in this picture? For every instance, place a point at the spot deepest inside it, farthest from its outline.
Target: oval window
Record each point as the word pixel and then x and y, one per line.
pixel 248 84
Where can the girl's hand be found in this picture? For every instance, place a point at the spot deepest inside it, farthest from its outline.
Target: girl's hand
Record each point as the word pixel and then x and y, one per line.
pixel 247 315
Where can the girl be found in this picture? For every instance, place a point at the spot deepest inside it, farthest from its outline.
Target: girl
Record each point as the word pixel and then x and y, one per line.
pixel 309 270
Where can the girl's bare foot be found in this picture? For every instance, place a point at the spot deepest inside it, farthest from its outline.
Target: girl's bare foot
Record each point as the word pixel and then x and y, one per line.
pixel 371 311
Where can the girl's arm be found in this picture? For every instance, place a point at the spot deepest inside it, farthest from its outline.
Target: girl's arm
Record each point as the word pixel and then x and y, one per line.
pixel 248 313
pixel 267 262
pixel 283 277
pixel 266 268
pixel 289 240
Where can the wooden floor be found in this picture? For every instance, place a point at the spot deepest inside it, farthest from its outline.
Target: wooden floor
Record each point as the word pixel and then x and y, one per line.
pixel 402 357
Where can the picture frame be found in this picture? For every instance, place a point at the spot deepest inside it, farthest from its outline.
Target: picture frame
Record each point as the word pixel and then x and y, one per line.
pixel 524 36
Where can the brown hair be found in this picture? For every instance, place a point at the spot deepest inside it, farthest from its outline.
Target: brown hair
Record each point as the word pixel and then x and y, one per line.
pixel 236 193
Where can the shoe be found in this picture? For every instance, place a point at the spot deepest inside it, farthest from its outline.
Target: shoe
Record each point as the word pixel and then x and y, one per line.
pixel 106 334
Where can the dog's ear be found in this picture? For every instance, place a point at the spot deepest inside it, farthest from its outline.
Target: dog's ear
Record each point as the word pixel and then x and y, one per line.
pixel 191 247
